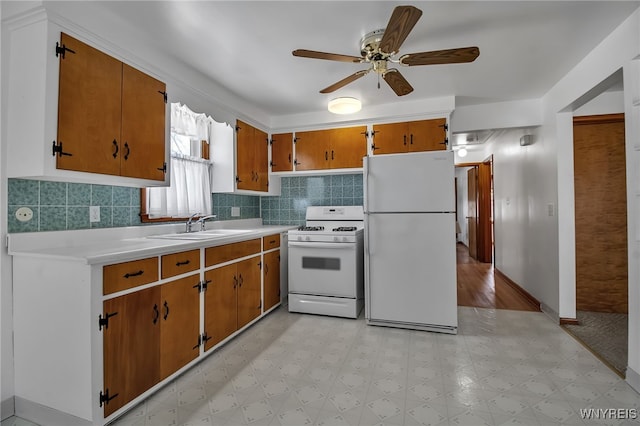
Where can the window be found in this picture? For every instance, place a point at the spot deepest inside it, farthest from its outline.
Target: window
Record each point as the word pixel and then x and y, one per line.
pixel 190 189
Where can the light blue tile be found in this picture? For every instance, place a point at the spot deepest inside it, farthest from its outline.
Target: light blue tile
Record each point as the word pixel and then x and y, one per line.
pixel 121 216
pixel 336 192
pixel 121 196
pixel 101 195
pixel 24 192
pixel 135 197
pixel 53 193
pixel 78 217
pixel 336 181
pixel 14 225
pixel 53 218
pixel 78 194
pixel 134 216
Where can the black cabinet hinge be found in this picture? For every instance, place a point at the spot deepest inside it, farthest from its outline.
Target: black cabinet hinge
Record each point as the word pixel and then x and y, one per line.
pixel 57 149
pixel 62 49
pixel 105 398
pixel 365 133
pixel 202 286
pixel 238 128
pixel 202 339
pixel 295 140
pixel 445 142
pixel 163 169
pixel 444 126
pixel 164 95
pixel 104 322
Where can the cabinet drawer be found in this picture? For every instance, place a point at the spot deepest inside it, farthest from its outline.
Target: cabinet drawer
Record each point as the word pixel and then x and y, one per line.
pixel 179 263
pixel 271 241
pixel 219 254
pixel 123 276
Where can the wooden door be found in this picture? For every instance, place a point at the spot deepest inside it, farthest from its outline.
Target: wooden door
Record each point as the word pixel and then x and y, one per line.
pixel 389 138
pixel 180 324
pixel 312 150
pixel 427 135
pixel 261 160
pixel 282 152
pixel 142 148
pixel 131 346
pixel 271 275
pixel 245 156
pixel 348 146
pixel 89 109
pixel 220 304
pixel 484 208
pixel 600 213
pixel 249 290
pixel 472 212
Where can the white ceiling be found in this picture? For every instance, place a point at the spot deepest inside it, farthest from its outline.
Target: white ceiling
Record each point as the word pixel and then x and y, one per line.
pixel 245 46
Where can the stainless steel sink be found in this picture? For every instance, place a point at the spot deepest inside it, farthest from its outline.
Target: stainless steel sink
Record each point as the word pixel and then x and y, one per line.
pixel 201 235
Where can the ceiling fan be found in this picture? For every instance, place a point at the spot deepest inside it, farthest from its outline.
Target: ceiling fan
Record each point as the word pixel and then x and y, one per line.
pixel 379 47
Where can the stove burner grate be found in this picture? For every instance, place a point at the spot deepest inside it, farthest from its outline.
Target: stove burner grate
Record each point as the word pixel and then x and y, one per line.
pixel 344 228
pixel 310 228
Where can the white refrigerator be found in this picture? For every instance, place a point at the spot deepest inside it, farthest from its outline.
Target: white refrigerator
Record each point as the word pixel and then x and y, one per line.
pixel 410 241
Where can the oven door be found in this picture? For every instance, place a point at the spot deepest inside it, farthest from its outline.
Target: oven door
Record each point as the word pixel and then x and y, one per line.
pixel 324 269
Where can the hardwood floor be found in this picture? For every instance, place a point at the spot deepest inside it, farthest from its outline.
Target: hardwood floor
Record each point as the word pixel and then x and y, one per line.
pixel 479 287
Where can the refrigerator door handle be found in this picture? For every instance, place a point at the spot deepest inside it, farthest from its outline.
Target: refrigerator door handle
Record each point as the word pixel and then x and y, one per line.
pixel 365 179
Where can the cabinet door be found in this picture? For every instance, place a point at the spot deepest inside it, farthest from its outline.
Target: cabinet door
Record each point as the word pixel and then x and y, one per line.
pixel 220 304
pixel 312 150
pixel 142 148
pixel 89 109
pixel 282 152
pixel 389 138
pixel 348 146
pixel 249 290
pixel 271 275
pixel 427 135
pixel 180 324
pixel 261 160
pixel 244 156
pixel 130 344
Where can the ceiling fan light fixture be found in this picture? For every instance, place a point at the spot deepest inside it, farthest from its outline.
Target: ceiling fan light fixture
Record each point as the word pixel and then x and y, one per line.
pixel 344 105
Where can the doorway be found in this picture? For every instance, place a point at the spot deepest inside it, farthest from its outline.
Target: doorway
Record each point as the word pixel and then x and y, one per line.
pixel 601 236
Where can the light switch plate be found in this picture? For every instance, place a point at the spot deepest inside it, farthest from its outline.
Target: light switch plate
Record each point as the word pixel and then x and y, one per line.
pixel 235 211
pixel 94 213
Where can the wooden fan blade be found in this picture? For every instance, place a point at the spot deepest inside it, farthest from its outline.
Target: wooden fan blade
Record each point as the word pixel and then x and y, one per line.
pixel 397 82
pixel 436 57
pixel 344 81
pixel 328 56
pixel 402 21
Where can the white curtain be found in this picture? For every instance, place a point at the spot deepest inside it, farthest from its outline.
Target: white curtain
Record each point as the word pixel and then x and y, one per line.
pixel 190 190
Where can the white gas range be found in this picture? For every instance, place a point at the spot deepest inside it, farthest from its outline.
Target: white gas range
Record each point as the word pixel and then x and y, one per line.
pixel 326 262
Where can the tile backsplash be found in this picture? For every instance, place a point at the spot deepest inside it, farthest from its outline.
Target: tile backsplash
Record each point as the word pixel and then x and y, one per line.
pixel 298 192
pixel 64 205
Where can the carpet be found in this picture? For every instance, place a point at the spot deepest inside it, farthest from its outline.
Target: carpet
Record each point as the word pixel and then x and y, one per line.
pixel 605 334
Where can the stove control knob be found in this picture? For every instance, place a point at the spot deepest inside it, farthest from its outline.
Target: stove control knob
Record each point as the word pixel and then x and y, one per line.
pixel 344 239
pixel 308 238
pixel 336 239
pixel 299 237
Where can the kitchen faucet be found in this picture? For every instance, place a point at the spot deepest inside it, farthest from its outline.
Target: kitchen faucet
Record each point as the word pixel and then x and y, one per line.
pixel 204 218
pixel 190 221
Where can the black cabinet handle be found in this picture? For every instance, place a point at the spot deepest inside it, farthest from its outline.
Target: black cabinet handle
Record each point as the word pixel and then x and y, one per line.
pixel 240 281
pixel 404 138
pixel 126 156
pixel 332 154
pixel 411 139
pixel 266 268
pixel 156 312
pixel 115 145
pixel 166 310
pixel 289 158
pixel 235 281
pixel 326 155
pixel 134 274
pixel 186 262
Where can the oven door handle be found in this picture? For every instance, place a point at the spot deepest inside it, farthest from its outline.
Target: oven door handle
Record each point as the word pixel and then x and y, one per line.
pixel 309 244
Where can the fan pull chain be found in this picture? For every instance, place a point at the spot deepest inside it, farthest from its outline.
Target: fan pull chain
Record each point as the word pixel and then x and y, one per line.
pixel 378 81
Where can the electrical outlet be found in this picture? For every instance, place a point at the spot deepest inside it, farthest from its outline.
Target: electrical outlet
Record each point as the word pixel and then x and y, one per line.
pixel 551 210
pixel 94 213
pixel 24 214
pixel 235 211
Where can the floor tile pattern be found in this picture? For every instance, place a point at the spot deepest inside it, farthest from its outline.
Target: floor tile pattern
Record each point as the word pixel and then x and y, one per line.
pixel 503 368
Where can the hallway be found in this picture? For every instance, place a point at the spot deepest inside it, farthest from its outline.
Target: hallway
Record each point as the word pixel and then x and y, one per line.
pixel 480 287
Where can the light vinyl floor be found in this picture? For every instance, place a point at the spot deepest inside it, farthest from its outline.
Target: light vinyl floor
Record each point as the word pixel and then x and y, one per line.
pixel 503 368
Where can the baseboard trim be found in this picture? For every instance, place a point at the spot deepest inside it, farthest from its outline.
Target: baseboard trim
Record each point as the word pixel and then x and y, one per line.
pixel 524 293
pixel 632 378
pixel 569 321
pixel 43 415
pixel 7 408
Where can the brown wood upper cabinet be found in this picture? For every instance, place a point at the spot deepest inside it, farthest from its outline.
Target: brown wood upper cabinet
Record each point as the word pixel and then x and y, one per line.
pixel 282 152
pixel 331 149
pixel 411 136
pixel 111 117
pixel 252 162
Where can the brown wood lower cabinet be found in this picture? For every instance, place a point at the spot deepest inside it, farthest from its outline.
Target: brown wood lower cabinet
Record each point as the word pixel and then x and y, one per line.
pixel 232 300
pixel 271 273
pixel 150 334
